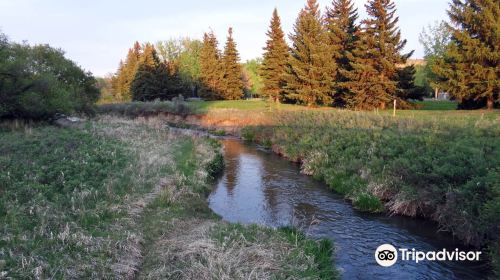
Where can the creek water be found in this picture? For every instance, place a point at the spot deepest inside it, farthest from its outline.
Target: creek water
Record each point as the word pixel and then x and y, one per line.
pixel 259 187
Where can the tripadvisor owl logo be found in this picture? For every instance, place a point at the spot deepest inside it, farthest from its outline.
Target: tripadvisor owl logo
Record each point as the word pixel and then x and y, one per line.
pixel 386 255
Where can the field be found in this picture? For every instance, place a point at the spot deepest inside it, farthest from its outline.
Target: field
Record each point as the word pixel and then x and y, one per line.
pixel 438 163
pixel 126 199
pixel 438 105
pixel 258 104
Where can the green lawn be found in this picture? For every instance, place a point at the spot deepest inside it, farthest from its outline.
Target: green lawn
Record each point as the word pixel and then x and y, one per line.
pixel 254 104
pixel 438 105
pixel 429 108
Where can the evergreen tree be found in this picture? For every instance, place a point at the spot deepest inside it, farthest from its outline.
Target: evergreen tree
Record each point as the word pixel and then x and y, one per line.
pixel 373 80
pixel 210 68
pixel 152 79
pixel 275 60
pixel 342 29
pixel 232 83
pixel 470 70
pixel 311 71
pixel 117 83
pixel 126 73
pixel 406 85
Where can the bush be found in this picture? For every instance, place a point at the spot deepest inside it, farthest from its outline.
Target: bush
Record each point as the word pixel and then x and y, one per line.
pixel 37 82
pixel 248 133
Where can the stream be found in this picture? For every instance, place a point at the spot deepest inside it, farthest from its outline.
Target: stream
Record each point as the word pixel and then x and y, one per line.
pixel 259 187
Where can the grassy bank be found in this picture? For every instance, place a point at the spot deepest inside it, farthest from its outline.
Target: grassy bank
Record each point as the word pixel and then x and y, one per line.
pixel 440 167
pixel 127 199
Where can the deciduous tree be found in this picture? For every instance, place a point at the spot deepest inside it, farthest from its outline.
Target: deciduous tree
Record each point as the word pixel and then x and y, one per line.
pixel 435 39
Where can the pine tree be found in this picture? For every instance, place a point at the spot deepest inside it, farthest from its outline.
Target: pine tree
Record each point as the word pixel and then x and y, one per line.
pixel 126 73
pixel 311 71
pixel 342 30
pixel 406 85
pixel 470 70
pixel 152 79
pixel 117 83
pixel 373 80
pixel 275 60
pixel 232 83
pixel 210 68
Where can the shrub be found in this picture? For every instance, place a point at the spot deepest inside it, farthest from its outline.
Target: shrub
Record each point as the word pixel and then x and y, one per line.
pixel 37 82
pixel 248 133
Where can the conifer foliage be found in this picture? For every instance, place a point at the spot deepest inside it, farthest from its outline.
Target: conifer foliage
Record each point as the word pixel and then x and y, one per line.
pixel 122 81
pixel 152 78
pixel 373 80
pixel 232 83
pixel 275 60
pixel 311 71
pixel 210 68
pixel 221 75
pixel 470 70
pixel 343 30
pixel 144 76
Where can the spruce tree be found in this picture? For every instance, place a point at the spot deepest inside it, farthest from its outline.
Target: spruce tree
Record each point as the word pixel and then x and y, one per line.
pixel 232 83
pixel 210 68
pixel 342 29
pixel 117 83
pixel 470 70
pixel 406 86
pixel 373 80
pixel 275 60
pixel 122 81
pixel 152 78
pixel 311 71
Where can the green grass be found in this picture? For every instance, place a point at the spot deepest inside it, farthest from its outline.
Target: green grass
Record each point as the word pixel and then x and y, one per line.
pixel 258 104
pixel 439 166
pixel 305 258
pixel 255 104
pixel 438 105
pixel 115 198
pixel 56 182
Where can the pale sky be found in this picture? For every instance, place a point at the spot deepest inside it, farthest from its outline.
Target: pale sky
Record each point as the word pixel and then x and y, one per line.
pixel 97 34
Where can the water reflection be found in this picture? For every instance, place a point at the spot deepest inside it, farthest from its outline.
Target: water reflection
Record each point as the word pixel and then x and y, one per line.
pixel 259 187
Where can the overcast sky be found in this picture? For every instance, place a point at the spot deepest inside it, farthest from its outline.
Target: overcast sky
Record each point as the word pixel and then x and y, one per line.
pixel 97 33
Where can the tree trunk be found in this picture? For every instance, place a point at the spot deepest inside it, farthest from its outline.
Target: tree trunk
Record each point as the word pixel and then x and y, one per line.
pixel 489 103
pixel 382 106
pixel 436 93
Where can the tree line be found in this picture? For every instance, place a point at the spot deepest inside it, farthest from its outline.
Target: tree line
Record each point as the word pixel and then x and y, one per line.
pixel 334 59
pixel 185 66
